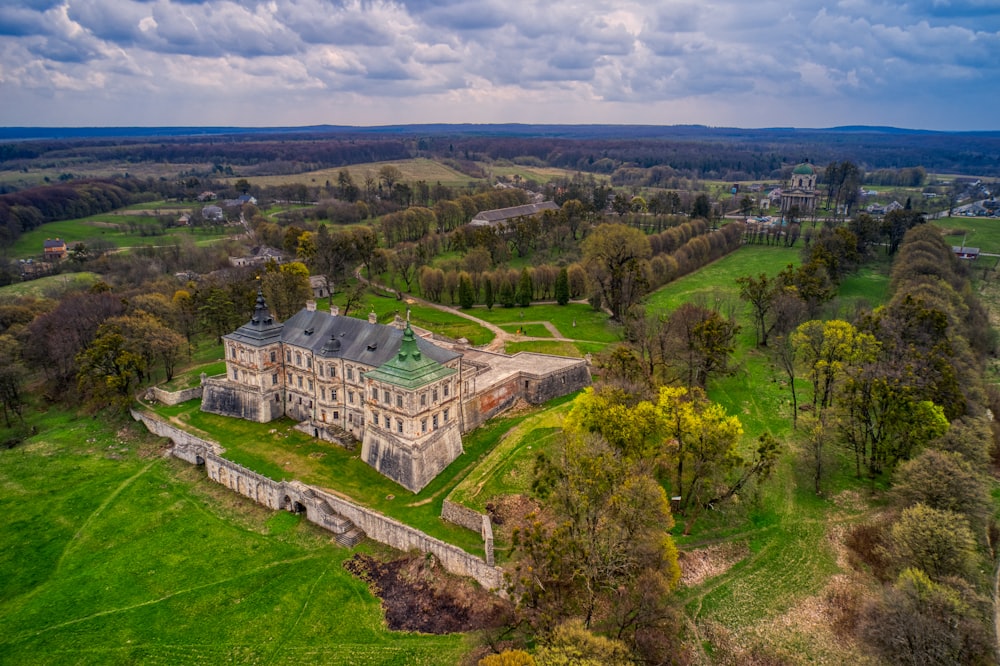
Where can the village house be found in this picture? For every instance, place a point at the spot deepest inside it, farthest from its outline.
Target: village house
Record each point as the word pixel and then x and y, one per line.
pixel 54 249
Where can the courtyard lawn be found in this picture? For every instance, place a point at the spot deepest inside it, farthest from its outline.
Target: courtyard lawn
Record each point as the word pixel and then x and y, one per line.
pixel 577 321
pixel 114 554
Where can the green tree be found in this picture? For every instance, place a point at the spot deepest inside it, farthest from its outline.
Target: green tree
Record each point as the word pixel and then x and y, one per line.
pixel 701 207
pixel 108 370
pixel 946 482
pixel 826 349
pixel 524 289
pixel 572 644
pixel 562 286
pixel 286 288
pixel 937 542
pixel 920 621
pixel 466 297
pixel 617 259
pixel 488 297
pixel 12 377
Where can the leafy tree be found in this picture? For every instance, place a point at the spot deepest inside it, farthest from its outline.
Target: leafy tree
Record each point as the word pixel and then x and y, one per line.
pixel 109 370
pixel 562 287
pixel 826 349
pixel 571 644
pixel 701 207
pixel 701 341
pixel 286 288
pixel 704 440
pixel 488 297
pixel 508 658
pixel 466 297
pixel 922 622
pixel 524 289
pixel 937 542
pixel 608 529
pixel 946 482
pixel 12 378
pixel 616 257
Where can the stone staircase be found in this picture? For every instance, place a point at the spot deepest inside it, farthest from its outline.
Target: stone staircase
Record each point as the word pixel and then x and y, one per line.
pixel 345 532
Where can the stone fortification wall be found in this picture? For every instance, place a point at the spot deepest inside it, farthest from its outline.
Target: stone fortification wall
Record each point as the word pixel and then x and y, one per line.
pixel 329 511
pixel 462 516
pixel 403 537
pixel 486 404
pixel 542 387
pixel 229 399
pixel 173 397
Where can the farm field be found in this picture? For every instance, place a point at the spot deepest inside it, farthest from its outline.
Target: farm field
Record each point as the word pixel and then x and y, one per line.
pixel 429 171
pixel 114 554
pixel 981 232
pixel 51 284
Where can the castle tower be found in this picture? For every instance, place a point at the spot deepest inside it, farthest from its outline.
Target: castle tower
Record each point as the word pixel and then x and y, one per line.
pixel 412 429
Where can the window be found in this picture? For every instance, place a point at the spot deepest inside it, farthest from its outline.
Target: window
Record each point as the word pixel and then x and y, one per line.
pixel 300 381
pixel 375 418
pixel 399 401
pixel 423 425
pixel 374 393
pixel 446 390
pixel 435 421
pixel 333 370
pixel 350 397
pixel 399 426
pixel 310 385
pixel 386 397
pixel 320 370
pixel 309 362
pixel 336 416
pixel 298 358
pixel 236 374
pixel 434 395
pixel 233 351
pixel 288 356
pixel 322 416
pixel 446 415
pixel 333 394
pixel 274 379
pixel 423 399
pixel 277 397
pixel 350 373
pixel 274 356
pixel 388 423
pixel 322 393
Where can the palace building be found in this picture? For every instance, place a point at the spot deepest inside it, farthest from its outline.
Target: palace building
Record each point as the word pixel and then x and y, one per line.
pixel 801 194
pixel 406 399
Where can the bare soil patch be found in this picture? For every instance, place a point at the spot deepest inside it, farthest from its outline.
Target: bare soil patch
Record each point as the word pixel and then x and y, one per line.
pixel 699 565
pixel 418 595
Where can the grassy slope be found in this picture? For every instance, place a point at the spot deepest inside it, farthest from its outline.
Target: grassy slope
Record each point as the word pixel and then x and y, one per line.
pixel 114 557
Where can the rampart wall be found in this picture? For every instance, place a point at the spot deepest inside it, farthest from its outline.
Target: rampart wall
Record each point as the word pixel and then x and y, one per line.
pixel 329 511
pixel 173 397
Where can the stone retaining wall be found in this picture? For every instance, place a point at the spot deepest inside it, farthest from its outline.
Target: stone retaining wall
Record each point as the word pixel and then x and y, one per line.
pixel 173 397
pixel 317 504
pixel 462 516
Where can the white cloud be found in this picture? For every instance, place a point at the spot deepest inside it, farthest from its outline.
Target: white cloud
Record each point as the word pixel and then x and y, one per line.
pixel 476 60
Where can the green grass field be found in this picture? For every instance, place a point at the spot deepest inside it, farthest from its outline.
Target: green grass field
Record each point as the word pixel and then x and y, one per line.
pixel 51 285
pixel 114 554
pixel 981 232
pixel 113 228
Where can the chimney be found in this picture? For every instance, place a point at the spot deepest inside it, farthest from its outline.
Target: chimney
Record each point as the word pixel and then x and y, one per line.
pixel 334 310
pixel 372 318
pixel 311 305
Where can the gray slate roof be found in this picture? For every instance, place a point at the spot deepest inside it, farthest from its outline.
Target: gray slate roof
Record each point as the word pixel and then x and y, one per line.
pixel 352 339
pixel 495 217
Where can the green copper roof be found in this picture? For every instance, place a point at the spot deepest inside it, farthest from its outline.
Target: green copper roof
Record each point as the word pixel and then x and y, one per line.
pixel 409 368
pixel 804 169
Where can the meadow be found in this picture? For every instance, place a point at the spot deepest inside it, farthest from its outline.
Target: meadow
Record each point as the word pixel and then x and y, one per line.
pixel 115 554
pixel 414 170
pixel 119 230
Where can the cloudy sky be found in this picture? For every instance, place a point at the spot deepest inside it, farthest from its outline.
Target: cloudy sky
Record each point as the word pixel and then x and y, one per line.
pixel 931 64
